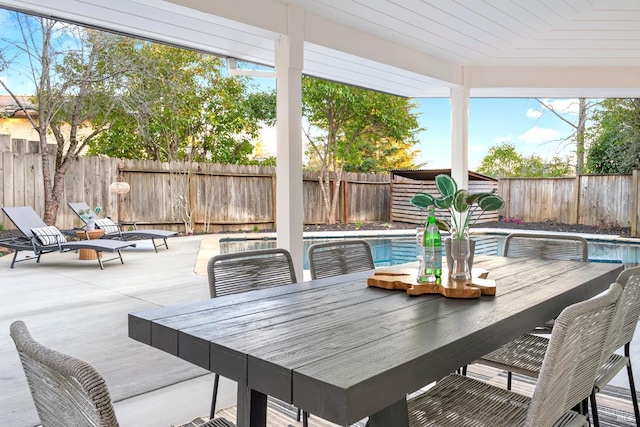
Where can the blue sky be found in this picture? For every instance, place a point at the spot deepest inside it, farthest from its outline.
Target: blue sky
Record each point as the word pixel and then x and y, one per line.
pixel 492 121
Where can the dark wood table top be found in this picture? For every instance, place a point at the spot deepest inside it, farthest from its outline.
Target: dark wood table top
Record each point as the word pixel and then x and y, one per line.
pixel 342 350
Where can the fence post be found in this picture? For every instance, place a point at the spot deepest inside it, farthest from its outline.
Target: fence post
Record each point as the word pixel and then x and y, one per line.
pixel 345 202
pixel 634 203
pixel 274 210
pixel 576 200
pixel 506 194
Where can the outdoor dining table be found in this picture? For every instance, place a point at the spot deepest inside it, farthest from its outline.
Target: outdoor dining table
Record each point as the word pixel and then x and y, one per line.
pixel 344 351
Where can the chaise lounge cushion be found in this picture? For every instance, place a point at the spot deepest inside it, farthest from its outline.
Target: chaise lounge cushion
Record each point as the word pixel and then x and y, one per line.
pixel 49 235
pixel 107 225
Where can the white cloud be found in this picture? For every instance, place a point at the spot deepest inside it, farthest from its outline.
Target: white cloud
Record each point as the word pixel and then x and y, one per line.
pixel 538 135
pixel 533 114
pixel 563 106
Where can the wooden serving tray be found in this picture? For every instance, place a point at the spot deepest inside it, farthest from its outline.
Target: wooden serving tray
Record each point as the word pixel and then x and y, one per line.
pixel 405 278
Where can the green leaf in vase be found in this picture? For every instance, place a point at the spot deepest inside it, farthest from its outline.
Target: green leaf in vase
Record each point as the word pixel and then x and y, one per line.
pixel 444 202
pixel 446 185
pixel 491 203
pixel 460 203
pixel 422 200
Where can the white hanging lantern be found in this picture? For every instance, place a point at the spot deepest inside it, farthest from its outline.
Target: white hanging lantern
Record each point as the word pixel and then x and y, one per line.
pixel 119 186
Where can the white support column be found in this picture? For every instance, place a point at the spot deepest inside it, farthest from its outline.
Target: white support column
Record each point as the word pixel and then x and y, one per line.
pixel 460 135
pixel 289 211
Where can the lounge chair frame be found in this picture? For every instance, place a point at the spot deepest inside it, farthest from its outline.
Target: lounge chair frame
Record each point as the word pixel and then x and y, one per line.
pixel 129 235
pixel 25 218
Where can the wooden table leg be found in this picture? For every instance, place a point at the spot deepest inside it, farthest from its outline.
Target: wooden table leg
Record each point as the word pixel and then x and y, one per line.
pixel 395 415
pixel 252 408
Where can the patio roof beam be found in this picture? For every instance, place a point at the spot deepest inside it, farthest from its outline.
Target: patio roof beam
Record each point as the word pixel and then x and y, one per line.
pixel 459 100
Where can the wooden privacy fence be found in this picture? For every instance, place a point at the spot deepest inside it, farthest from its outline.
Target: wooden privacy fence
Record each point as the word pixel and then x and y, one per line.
pixel 598 200
pixel 206 197
pixel 403 189
pixel 184 196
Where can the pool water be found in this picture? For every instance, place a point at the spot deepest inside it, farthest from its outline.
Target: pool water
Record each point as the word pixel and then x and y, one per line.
pixel 397 250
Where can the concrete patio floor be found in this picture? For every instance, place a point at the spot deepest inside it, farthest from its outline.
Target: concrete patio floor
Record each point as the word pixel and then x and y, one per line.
pixel 74 307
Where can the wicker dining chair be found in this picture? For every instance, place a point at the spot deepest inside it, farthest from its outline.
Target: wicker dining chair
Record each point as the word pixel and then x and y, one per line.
pixel 566 379
pixel 67 391
pixel 546 246
pixel 525 354
pixel 342 257
pixel 238 272
pixel 249 270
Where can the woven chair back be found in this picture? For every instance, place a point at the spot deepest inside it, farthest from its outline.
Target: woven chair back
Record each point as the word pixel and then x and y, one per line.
pixel 627 312
pixel 546 246
pixel 66 391
pixel 573 357
pixel 342 257
pixel 250 270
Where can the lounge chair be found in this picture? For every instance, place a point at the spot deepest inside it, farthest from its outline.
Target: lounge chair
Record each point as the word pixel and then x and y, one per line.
pixel 113 231
pixel 42 239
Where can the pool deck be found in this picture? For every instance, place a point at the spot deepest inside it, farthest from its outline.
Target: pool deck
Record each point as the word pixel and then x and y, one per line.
pixel 73 306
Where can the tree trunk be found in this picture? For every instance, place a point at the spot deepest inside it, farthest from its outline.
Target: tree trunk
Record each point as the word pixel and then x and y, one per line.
pixel 580 136
pixel 336 194
pixel 325 187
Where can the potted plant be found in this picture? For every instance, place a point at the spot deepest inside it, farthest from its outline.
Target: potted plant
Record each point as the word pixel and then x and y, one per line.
pixel 462 208
pixel 89 216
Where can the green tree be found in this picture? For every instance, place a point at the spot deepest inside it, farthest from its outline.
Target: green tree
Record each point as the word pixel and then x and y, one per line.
pixel 176 104
pixel 503 161
pixel 62 62
pixel 615 137
pixel 351 128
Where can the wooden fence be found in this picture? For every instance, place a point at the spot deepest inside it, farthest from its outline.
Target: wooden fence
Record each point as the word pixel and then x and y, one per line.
pixel 403 189
pixel 179 196
pixel 211 197
pixel 598 200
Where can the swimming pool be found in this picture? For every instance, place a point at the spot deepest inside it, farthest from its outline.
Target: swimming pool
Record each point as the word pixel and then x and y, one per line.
pixel 397 250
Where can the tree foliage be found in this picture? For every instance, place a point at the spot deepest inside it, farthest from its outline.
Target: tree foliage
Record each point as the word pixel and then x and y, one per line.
pixel 62 62
pixel 503 161
pixel 615 137
pixel 176 104
pixel 354 129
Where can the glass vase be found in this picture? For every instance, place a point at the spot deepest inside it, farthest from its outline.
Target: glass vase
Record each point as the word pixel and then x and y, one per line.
pixel 460 253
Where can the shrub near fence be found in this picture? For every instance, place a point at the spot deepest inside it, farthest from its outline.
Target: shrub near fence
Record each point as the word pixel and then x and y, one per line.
pixel 205 197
